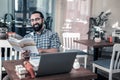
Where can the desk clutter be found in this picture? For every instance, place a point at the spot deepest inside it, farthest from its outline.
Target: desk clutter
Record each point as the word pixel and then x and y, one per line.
pixel 27 69
pixel 76 64
pixel 20 71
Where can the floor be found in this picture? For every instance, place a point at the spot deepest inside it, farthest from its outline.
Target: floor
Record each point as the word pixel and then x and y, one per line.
pixel 101 75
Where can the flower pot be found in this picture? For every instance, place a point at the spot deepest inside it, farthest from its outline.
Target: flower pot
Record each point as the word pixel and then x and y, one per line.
pixel 3 31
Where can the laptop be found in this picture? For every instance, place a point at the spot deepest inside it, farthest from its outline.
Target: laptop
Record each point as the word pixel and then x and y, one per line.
pixel 56 63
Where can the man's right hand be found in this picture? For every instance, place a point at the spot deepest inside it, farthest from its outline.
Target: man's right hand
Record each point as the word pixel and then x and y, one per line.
pixel 25 55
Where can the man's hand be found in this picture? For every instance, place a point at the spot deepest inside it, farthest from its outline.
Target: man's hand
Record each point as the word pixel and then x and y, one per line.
pixel 25 55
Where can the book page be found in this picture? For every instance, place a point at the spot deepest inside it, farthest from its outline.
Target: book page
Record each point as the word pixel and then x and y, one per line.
pixel 29 44
pixel 15 44
pixel 23 45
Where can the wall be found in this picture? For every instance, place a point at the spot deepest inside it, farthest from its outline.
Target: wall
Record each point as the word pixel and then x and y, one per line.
pixel 3 4
pixel 5 7
pixel 97 7
pixel 104 5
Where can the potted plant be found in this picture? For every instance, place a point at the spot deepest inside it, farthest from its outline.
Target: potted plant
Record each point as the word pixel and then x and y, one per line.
pixel 98 23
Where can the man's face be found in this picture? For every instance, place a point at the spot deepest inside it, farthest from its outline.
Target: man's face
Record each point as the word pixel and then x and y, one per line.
pixel 36 22
pixel 35 18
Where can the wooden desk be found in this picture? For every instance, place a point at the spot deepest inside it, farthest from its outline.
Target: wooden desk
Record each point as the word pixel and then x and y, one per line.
pixel 81 74
pixel 96 46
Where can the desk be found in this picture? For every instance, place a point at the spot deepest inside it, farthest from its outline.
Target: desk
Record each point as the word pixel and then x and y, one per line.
pixel 80 74
pixel 96 46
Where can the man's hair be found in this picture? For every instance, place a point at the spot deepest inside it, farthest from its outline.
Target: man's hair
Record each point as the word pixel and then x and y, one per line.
pixel 41 15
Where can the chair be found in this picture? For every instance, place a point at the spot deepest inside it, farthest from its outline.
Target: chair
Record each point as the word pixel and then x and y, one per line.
pixel 109 65
pixel 7 53
pixel 69 45
pixel 106 52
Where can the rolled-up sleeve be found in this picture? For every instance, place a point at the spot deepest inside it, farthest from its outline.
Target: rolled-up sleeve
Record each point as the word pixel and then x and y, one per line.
pixel 55 41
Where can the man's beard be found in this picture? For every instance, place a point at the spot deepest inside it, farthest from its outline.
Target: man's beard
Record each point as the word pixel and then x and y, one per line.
pixel 37 27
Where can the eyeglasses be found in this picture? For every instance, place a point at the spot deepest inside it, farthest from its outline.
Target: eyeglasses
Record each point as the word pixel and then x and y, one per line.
pixel 36 19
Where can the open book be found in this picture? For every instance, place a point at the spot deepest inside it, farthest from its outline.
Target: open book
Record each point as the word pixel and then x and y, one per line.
pixel 26 44
pixel 23 44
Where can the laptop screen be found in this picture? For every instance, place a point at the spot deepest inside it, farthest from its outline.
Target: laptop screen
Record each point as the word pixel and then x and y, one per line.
pixel 56 63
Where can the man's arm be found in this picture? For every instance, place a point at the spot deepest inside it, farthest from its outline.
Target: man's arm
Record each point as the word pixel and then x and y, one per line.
pixel 52 50
pixel 54 45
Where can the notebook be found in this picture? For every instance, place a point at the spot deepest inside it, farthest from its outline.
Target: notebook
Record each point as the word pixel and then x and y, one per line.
pixel 56 63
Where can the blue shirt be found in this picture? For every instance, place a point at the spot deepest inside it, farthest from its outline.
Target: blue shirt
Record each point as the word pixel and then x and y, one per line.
pixel 46 39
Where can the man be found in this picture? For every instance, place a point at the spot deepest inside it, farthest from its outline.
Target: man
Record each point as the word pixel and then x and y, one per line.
pixel 46 41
